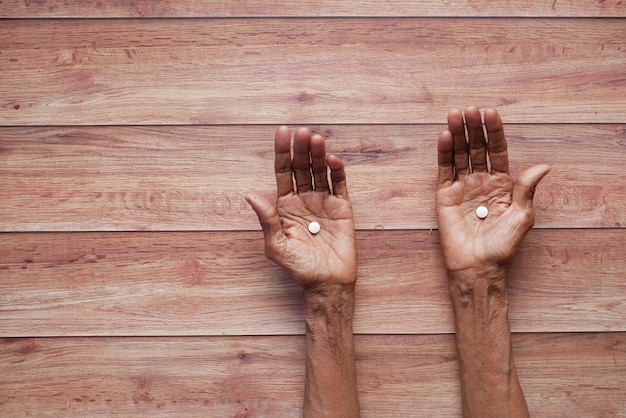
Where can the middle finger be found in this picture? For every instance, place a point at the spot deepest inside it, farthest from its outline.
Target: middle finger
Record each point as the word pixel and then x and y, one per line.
pixel 302 160
pixel 477 142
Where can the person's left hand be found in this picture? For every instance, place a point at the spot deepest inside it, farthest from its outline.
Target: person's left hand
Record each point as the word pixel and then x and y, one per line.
pixel 328 257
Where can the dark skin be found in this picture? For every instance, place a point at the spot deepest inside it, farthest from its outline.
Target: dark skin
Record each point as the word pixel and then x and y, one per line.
pixel 467 241
pixel 324 264
pixel 473 170
pixel 312 260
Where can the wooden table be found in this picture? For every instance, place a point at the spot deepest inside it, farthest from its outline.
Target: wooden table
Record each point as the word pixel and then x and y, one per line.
pixel 132 274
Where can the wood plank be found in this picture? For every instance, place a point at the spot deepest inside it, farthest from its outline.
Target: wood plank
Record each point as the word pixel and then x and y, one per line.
pixel 300 71
pixel 144 284
pixel 195 178
pixel 573 375
pixel 263 8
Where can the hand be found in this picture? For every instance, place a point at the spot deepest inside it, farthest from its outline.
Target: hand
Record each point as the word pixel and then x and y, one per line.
pixel 323 263
pixel 328 257
pixel 474 172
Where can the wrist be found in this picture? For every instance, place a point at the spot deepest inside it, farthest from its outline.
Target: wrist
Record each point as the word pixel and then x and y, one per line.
pixel 489 382
pixel 330 385
pixel 485 281
pixel 325 300
pixel 482 272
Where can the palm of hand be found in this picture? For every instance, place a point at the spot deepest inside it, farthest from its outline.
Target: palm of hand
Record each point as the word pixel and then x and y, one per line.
pixel 468 241
pixel 327 257
pixel 473 170
pixel 306 193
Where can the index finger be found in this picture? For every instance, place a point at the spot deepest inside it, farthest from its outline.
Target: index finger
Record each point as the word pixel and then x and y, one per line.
pixel 496 142
pixel 338 176
pixel 282 161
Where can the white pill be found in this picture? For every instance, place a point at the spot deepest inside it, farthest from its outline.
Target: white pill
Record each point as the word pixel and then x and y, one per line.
pixel 482 212
pixel 314 228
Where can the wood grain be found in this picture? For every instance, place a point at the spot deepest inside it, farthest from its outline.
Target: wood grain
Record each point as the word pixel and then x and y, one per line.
pixel 144 284
pixel 573 375
pixel 315 8
pixel 270 71
pixel 195 178
pixel 149 115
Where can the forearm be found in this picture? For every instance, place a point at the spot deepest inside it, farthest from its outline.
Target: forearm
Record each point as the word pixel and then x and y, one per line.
pixel 330 387
pixel 489 383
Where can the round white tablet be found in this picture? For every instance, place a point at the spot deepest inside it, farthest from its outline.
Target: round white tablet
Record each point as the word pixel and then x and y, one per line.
pixel 482 212
pixel 314 228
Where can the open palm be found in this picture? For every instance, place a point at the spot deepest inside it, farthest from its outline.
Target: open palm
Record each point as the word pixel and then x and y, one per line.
pixel 325 257
pixel 328 257
pixel 467 240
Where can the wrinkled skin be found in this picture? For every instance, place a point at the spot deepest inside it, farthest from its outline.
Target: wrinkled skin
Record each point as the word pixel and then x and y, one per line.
pixel 474 170
pixel 329 257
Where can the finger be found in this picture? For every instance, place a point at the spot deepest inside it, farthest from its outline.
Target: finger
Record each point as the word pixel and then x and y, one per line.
pixel 524 190
pixel 476 137
pixel 457 127
pixel 338 176
pixel 496 142
pixel 282 161
pixel 318 163
pixel 302 160
pixel 267 214
pixel 445 158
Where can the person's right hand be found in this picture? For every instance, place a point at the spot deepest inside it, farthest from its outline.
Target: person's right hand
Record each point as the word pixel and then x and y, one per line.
pixel 326 258
pixel 473 170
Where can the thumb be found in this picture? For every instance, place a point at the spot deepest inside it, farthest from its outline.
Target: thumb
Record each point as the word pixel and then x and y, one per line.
pixel 526 183
pixel 267 214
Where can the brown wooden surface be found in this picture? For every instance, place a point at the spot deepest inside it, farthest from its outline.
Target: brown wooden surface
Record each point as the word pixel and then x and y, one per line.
pixel 132 275
pixel 195 178
pixel 259 8
pixel 221 284
pixel 242 71
pixel 565 375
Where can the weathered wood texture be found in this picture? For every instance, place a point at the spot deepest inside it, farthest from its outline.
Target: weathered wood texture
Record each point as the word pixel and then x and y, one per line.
pixel 195 178
pixel 115 126
pixel 220 283
pixel 260 8
pixel 302 71
pixel 565 375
